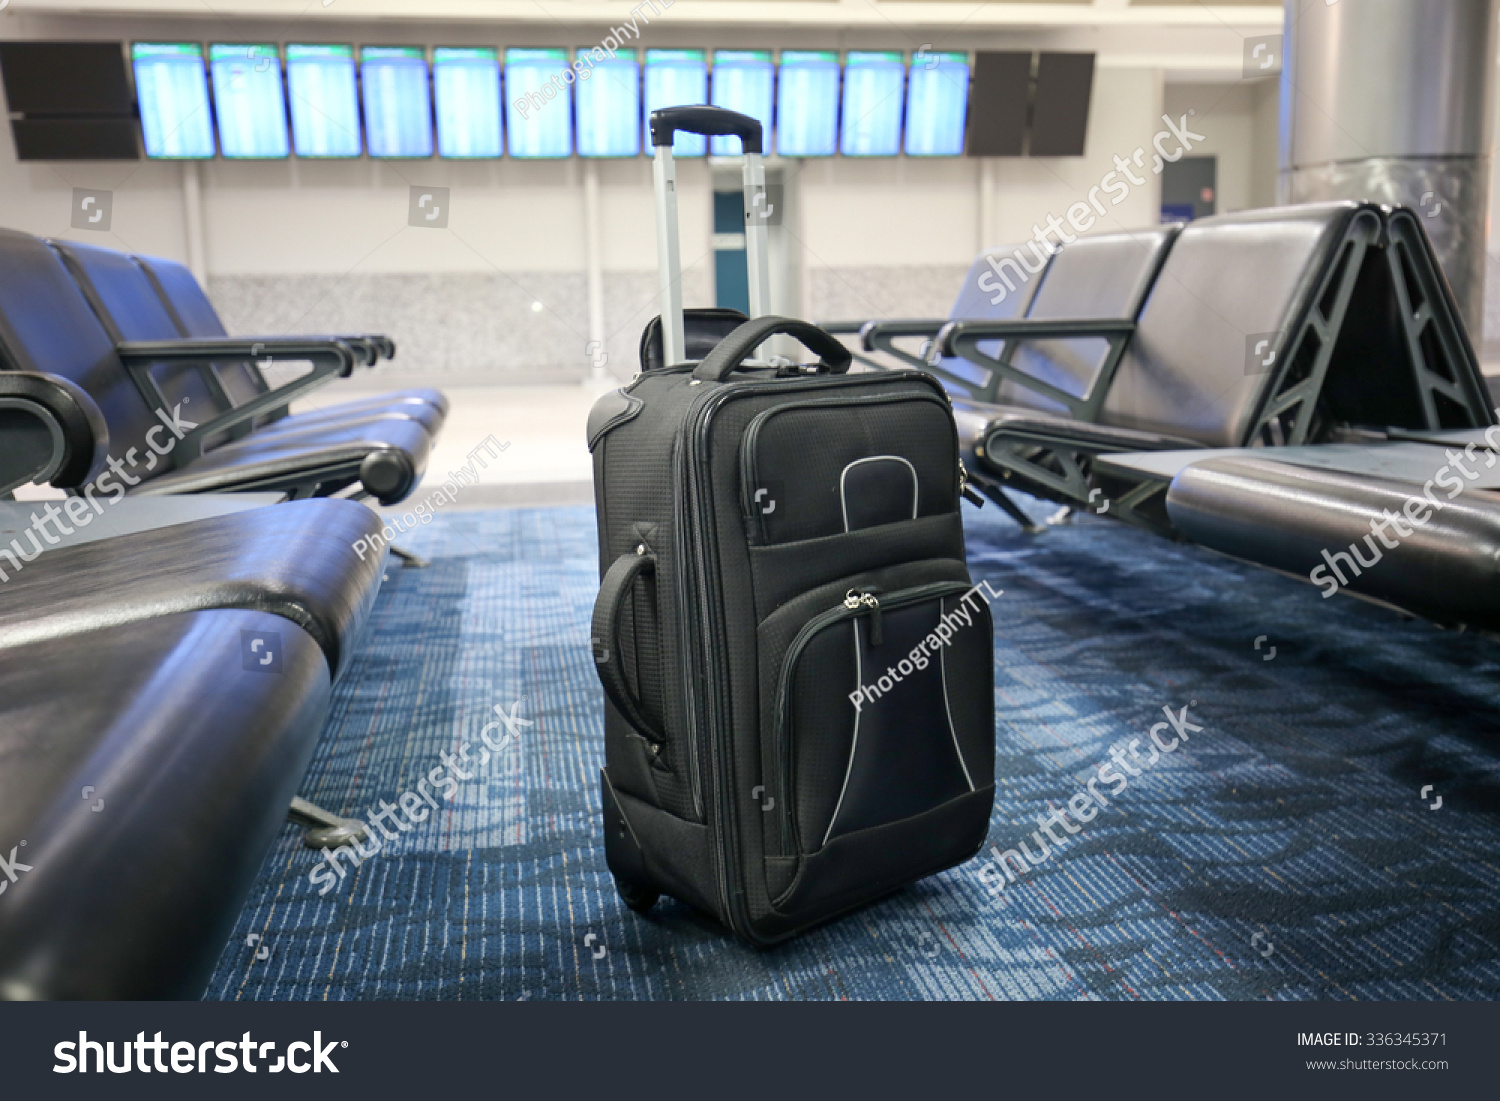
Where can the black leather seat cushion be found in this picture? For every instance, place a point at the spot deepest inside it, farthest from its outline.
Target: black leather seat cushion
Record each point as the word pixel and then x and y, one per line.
pixel 1284 516
pixel 195 757
pixel 1103 276
pixel 296 560
pixel 1226 279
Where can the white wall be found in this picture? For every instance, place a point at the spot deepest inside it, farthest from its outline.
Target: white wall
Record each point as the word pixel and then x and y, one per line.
pixel 1239 122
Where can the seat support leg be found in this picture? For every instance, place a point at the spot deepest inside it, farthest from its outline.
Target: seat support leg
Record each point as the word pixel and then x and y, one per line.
pixel 1010 508
pixel 324 829
pixel 415 561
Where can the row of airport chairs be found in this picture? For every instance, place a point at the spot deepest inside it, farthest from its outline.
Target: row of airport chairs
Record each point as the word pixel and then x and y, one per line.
pixel 1270 384
pixel 167 648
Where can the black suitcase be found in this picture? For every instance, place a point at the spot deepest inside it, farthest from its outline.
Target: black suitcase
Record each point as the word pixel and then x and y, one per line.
pixel 798 669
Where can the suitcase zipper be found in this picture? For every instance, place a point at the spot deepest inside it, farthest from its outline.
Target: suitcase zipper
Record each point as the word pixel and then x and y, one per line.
pixel 856 603
pixel 724 825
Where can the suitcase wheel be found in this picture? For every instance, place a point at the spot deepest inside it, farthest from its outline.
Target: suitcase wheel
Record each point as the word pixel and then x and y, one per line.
pixel 638 898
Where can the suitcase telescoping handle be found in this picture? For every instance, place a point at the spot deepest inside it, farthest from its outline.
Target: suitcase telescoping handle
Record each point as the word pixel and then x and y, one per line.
pixel 712 122
pixel 735 348
pixel 716 122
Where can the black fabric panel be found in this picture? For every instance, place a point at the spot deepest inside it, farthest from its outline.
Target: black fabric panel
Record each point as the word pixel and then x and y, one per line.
pixel 776 634
pixel 790 569
pixel 863 866
pixel 800 453
pixel 821 729
pixel 969 672
pixel 879 490
pixel 905 759
pixel 678 856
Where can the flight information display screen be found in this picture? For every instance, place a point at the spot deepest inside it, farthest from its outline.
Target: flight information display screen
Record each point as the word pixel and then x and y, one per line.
pixel 609 107
pixel 539 125
pixel 937 105
pixel 398 107
pixel 743 81
pixel 322 91
pixel 171 84
pixel 874 93
pixel 807 103
pixel 466 91
pixel 249 100
pixel 676 78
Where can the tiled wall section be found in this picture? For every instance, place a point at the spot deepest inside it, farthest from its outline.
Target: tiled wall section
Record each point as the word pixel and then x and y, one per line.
pixel 464 324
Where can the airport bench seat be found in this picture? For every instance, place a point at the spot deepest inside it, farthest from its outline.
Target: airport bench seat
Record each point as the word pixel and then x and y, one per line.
pixel 191 758
pixel 47 326
pixel 130 296
pixel 1274 327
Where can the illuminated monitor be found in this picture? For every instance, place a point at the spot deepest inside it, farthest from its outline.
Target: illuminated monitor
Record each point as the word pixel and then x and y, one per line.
pixel 676 78
pixel 807 103
pixel 539 125
pixel 609 105
pixel 171 85
pixel 743 81
pixel 466 90
pixel 249 100
pixel 937 105
pixel 874 93
pixel 322 92
pixel 398 107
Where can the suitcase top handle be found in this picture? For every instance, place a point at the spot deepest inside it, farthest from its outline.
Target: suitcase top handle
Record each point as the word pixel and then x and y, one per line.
pixel 709 121
pixel 732 351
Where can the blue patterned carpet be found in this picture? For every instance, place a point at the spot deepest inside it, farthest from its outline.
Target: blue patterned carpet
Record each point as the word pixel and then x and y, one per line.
pixel 1283 853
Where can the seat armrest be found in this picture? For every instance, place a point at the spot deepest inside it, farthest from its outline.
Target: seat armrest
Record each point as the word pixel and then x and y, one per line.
pixel 368 348
pixel 841 328
pixel 1030 329
pixel 329 357
pixel 876 335
pixel 237 347
pixel 50 431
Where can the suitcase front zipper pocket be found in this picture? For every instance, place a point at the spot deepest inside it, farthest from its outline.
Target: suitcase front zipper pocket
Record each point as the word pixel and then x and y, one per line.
pixel 883 711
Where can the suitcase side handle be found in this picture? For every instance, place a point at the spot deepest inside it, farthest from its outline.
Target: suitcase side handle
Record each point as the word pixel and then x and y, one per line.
pixel 733 350
pixel 619 581
pixel 708 121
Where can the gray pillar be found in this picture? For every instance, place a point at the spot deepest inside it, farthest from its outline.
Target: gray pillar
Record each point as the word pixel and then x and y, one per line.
pixel 1390 100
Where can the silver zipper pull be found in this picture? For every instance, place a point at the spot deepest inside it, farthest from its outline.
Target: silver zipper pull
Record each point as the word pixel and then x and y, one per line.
pixel 852 599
